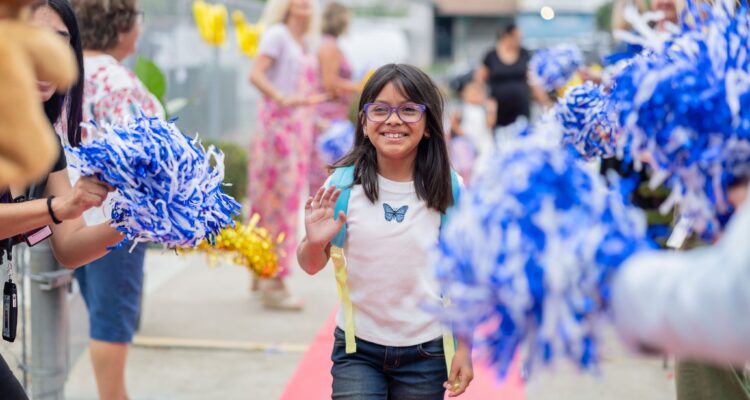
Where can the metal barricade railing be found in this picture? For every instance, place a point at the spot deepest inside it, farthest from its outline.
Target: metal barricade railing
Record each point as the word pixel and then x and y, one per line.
pixel 41 354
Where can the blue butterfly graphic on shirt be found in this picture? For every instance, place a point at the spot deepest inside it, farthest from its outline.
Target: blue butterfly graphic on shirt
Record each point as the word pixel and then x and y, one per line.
pixel 390 214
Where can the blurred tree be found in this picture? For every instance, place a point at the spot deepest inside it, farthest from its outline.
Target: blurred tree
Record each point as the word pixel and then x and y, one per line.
pixel 235 168
pixel 235 157
pixel 604 17
pixel 152 77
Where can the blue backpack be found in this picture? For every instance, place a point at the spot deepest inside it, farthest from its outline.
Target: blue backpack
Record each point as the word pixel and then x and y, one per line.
pixel 343 179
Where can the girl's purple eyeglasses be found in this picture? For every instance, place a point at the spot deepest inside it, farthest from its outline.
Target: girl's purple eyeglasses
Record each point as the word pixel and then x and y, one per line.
pixel 409 113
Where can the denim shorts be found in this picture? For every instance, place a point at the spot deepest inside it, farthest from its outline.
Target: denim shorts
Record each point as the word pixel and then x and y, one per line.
pixel 378 372
pixel 111 287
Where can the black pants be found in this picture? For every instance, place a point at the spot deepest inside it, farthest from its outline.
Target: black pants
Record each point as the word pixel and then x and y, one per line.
pixel 10 387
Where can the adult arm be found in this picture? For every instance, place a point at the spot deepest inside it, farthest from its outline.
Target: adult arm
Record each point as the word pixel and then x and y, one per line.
pixel 259 77
pixel 329 59
pixel 16 218
pixel 271 49
pixel 482 74
pixel 73 243
pixel 690 304
pixel 538 93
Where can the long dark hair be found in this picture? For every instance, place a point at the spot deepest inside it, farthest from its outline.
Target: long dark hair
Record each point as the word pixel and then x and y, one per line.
pixel 432 177
pixel 71 102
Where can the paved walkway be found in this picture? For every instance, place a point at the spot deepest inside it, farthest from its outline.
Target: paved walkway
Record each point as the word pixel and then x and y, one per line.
pixel 205 336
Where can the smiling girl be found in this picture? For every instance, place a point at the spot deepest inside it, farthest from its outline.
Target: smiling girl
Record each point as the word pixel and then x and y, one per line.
pixel 390 194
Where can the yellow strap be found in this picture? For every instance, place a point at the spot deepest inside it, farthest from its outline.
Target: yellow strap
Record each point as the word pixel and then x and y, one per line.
pixel 339 266
pixel 449 342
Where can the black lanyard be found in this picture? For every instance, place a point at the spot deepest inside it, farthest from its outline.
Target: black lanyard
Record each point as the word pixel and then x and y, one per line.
pixel 10 294
pixel 10 291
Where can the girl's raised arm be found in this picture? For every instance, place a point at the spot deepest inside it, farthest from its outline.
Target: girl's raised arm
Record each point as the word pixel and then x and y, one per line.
pixel 320 228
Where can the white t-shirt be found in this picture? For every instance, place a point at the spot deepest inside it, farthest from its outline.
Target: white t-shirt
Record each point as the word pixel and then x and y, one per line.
pixel 390 279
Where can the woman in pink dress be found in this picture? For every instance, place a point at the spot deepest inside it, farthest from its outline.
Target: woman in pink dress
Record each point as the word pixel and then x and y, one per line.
pixel 285 72
pixel 336 74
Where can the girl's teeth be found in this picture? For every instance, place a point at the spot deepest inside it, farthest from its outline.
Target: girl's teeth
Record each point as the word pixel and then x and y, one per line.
pixel 394 135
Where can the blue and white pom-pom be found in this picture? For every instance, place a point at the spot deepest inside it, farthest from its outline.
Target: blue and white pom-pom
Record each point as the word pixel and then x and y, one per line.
pixel 588 121
pixel 336 141
pixel 552 68
pixel 529 253
pixel 685 110
pixel 168 186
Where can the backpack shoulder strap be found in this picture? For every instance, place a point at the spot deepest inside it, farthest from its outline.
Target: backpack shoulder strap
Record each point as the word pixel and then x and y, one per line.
pixel 456 188
pixel 342 178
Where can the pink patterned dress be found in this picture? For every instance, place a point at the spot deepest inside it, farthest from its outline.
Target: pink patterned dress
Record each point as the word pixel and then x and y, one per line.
pixel 281 149
pixel 327 112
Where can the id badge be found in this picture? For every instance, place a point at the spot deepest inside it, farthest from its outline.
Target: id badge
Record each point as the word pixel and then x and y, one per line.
pixel 10 311
pixel 37 235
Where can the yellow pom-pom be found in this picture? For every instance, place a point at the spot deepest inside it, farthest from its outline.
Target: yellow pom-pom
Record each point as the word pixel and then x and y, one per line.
pixel 576 80
pixel 248 35
pixel 247 245
pixel 211 21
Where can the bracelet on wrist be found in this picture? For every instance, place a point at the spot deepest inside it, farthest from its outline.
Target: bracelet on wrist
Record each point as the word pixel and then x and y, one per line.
pixel 51 212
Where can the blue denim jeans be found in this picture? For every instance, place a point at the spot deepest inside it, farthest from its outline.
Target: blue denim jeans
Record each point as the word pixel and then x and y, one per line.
pixel 111 287
pixel 378 372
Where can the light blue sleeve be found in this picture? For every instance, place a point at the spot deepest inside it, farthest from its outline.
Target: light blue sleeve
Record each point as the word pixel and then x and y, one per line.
pixel 693 304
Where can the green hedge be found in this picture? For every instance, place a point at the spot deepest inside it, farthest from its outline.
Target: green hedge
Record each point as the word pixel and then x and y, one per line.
pixel 235 168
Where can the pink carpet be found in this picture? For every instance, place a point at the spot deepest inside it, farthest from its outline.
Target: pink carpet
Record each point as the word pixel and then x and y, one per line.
pixel 312 379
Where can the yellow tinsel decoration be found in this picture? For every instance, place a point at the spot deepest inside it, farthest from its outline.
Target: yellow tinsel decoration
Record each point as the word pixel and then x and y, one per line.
pixel 366 78
pixel 247 245
pixel 248 35
pixel 211 20
pixel 577 80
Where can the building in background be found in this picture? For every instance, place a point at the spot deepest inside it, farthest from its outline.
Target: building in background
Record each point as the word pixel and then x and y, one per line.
pixel 452 33
pixel 385 31
pixel 549 22
pixel 465 29
pixel 382 31
pixel 172 41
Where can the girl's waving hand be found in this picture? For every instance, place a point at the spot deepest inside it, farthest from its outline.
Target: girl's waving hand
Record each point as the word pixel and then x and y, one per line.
pixel 320 229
